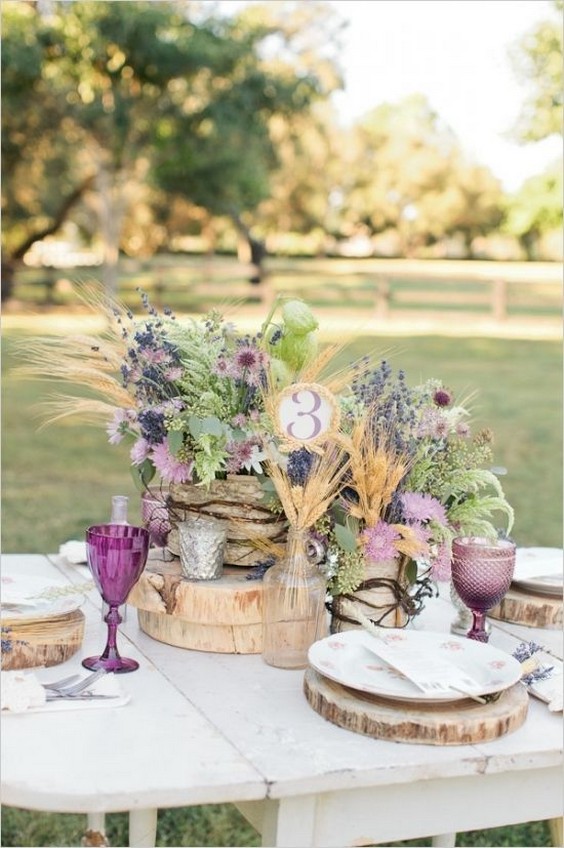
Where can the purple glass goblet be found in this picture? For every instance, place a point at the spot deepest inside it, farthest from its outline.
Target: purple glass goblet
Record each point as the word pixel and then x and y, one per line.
pixel 154 516
pixel 482 571
pixel 117 554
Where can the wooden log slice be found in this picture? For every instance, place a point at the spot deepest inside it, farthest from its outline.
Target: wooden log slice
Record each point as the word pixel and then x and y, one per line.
pixel 40 643
pixel 457 723
pixel 222 616
pixel 532 610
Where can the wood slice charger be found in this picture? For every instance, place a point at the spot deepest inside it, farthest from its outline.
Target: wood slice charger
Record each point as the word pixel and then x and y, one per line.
pixel 41 642
pixel 461 722
pixel 534 610
pixel 221 616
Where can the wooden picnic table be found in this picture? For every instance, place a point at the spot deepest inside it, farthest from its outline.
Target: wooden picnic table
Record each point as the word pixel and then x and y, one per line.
pixel 204 728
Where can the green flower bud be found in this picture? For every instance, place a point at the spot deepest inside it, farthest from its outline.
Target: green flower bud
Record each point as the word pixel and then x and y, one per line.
pixel 298 318
pixel 295 351
pixel 280 373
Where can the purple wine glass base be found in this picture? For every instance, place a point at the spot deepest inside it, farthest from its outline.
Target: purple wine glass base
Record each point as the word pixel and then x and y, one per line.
pixel 117 665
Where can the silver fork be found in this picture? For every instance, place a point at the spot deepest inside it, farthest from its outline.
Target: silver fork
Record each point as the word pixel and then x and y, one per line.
pixel 82 684
pixel 59 684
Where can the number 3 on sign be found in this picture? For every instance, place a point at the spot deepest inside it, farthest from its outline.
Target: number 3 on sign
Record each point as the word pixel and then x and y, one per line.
pixel 307 412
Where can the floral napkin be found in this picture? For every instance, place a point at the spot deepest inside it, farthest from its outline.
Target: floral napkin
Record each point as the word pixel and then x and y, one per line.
pixel 21 692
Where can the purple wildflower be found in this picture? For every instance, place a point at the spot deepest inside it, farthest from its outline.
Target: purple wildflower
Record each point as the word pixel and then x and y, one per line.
pixel 441 564
pixel 170 468
pixel 379 542
pixel 419 507
pixel 442 397
pixel 140 451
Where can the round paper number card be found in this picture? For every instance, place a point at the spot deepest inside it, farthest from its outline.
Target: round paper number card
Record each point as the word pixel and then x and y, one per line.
pixel 307 412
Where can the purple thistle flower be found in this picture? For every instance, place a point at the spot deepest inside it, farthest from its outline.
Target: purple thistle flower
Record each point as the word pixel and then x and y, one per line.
pixel 442 397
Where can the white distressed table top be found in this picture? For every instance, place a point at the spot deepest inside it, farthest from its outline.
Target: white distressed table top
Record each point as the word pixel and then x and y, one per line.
pixel 203 728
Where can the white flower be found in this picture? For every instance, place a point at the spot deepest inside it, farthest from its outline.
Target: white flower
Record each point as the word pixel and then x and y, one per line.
pixel 253 463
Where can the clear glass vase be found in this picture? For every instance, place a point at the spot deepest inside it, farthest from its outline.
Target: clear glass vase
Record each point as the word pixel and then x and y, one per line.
pixel 293 603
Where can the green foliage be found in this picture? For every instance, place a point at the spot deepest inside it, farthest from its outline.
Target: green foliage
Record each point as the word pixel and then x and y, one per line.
pixel 537 207
pixel 537 60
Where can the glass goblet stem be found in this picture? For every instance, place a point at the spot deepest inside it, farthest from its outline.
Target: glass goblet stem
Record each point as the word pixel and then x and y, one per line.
pixel 478 629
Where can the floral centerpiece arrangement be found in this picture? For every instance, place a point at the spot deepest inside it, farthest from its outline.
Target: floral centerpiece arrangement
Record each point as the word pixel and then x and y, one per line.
pixel 418 478
pixel 197 402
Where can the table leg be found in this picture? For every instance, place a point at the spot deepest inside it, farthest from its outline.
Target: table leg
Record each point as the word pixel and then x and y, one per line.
pixel 289 822
pixel 444 840
pixel 142 828
pixel 95 830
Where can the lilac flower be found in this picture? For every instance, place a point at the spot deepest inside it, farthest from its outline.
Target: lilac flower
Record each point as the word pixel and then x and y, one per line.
pixel 379 542
pixel 299 466
pixel 418 507
pixel 170 468
pixel 140 451
pixel 239 420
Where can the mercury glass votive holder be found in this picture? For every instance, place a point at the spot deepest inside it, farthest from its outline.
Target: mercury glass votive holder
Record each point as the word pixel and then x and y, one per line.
pixel 202 541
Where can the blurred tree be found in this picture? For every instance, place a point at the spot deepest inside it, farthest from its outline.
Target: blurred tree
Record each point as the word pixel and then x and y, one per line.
pixel 223 157
pixel 407 172
pixel 537 60
pixel 94 91
pixel 536 209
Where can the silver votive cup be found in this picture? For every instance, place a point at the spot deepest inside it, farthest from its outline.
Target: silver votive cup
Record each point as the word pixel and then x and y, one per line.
pixel 202 542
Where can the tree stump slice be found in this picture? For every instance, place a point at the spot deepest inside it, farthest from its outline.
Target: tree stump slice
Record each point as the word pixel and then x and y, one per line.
pixel 221 616
pixel 35 644
pixel 532 610
pixel 458 723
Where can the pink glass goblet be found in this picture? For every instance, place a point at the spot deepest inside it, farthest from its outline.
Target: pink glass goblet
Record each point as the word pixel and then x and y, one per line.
pixel 117 554
pixel 481 573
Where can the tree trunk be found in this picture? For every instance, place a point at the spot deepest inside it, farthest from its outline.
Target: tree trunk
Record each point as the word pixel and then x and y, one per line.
pixel 257 250
pixel 11 261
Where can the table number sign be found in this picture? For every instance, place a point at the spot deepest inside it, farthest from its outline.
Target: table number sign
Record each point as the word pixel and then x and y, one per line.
pixel 306 414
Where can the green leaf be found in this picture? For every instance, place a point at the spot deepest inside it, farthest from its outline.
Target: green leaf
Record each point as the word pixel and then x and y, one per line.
pixel 195 426
pixel 143 474
pixel 346 539
pixel 411 572
pixel 175 441
pixel 212 426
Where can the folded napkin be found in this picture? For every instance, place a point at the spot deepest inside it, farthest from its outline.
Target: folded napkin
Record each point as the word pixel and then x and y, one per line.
pixel 550 690
pixel 21 692
pixel 74 551
pixel 541 674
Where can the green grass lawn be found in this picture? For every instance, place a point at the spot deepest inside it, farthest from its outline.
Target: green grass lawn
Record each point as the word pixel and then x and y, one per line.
pixel 58 480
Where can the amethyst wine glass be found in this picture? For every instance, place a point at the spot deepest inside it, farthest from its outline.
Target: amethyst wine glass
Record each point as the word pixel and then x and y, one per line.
pixel 481 573
pixel 117 554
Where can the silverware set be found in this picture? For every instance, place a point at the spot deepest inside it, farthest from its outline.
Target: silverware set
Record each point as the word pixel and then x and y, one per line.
pixel 68 690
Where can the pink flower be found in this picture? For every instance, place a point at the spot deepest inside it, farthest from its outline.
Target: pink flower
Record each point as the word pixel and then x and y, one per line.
pixel 118 426
pixel 418 507
pixel 441 564
pixel 139 452
pixel 170 468
pixel 379 542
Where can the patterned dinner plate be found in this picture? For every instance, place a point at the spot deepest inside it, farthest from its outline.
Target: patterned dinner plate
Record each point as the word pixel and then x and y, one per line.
pixel 25 598
pixel 539 570
pixel 345 659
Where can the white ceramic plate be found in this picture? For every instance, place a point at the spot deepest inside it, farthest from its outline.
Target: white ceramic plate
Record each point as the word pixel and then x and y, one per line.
pixel 26 598
pixel 539 570
pixel 343 658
